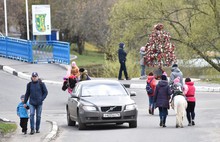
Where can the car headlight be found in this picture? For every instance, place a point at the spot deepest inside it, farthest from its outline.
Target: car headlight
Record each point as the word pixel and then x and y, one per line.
pixel 130 107
pixel 89 108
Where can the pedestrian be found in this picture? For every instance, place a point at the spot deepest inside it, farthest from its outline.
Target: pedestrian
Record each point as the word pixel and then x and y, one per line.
pixel 176 72
pixel 36 92
pixel 122 60
pixel 161 99
pixel 22 112
pixel 152 81
pixel 189 91
pixel 83 74
pixel 176 89
pixel 73 70
pixel 142 63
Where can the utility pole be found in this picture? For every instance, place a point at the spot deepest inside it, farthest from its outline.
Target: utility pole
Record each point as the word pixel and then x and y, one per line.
pixel 27 19
pixel 6 18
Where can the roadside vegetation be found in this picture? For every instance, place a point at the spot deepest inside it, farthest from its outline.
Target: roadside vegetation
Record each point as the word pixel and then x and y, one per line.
pixel 7 127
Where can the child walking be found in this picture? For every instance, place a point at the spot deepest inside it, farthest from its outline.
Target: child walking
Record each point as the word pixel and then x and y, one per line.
pixel 189 91
pixel 22 112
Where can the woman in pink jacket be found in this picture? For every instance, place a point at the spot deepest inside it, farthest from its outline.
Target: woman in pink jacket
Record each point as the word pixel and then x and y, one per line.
pixel 189 91
pixel 151 79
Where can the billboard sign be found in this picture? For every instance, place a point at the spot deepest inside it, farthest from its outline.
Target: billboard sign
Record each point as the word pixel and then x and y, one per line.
pixel 41 20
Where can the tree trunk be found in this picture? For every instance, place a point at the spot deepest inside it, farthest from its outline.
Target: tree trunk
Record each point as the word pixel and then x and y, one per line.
pixel 80 44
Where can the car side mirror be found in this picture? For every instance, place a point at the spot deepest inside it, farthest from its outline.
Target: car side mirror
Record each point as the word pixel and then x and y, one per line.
pixel 132 93
pixel 73 95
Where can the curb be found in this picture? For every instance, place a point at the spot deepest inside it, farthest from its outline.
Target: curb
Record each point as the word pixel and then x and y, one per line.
pixel 4 120
pixel 132 86
pixel 53 132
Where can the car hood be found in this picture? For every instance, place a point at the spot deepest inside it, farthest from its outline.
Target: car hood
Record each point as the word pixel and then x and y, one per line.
pixel 107 100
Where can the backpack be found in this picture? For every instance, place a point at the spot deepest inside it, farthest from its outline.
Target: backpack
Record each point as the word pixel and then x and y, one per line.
pixel 149 89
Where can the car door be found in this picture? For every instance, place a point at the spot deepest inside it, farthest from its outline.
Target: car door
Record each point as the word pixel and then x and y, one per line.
pixel 74 102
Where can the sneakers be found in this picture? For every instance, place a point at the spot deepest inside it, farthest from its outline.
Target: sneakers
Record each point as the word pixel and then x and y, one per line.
pixel 128 78
pixel 37 131
pixel 32 132
pixel 193 123
pixel 190 124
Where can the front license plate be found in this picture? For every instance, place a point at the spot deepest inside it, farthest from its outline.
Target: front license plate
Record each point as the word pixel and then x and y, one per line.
pixel 107 115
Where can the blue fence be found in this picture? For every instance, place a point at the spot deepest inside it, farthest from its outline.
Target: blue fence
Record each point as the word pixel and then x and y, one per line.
pixel 34 51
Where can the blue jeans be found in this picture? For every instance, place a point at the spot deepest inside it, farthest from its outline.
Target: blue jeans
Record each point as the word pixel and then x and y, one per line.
pixel 151 102
pixel 163 112
pixel 38 109
pixel 143 70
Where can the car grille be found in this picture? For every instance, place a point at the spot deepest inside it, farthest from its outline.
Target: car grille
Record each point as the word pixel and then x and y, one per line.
pixel 111 108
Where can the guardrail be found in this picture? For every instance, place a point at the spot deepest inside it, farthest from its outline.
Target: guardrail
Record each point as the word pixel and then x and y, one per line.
pixel 35 51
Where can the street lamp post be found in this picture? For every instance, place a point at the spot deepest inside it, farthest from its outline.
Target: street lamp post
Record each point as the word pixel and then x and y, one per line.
pixel 6 20
pixel 27 19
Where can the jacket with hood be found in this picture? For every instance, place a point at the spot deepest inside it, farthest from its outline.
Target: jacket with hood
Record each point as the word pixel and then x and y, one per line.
pixel 142 54
pixel 36 93
pixel 162 94
pixel 190 91
pixel 152 84
pixel 175 72
pixel 22 112
pixel 121 54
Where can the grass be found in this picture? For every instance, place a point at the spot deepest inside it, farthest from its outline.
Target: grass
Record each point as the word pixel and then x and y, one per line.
pixel 91 56
pixel 7 127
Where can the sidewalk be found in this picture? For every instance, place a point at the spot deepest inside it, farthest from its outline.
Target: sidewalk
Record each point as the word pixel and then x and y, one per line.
pixel 54 73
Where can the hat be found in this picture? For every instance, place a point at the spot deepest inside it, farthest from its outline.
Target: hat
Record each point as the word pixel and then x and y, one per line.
pixel 73 64
pixel 121 45
pixel 142 48
pixel 34 74
pixel 187 79
pixel 175 65
pixel 81 70
pixel 22 97
pixel 163 77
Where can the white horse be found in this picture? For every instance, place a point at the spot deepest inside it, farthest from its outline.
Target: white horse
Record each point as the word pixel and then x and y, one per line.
pixel 180 105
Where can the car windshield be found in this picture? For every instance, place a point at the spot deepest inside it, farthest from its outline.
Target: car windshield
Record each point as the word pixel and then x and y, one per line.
pixel 103 90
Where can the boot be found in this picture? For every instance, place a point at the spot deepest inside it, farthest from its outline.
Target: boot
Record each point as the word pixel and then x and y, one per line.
pixel 161 123
pixel 149 111
pixel 152 111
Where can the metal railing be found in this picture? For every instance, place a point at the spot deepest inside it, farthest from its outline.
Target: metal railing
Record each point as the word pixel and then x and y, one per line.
pixel 35 51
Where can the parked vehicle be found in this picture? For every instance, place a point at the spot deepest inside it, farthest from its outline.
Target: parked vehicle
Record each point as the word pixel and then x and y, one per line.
pixel 101 101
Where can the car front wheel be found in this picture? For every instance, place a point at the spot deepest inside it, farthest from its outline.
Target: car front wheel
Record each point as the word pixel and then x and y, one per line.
pixel 69 121
pixel 133 124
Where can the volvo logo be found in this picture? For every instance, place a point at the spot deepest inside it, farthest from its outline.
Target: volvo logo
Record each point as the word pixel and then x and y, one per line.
pixel 111 109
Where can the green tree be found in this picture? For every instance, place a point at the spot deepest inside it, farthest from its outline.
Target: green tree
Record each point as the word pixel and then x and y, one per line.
pixel 82 20
pixel 193 24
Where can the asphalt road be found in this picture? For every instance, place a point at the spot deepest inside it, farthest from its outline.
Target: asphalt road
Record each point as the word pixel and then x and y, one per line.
pixel 207 128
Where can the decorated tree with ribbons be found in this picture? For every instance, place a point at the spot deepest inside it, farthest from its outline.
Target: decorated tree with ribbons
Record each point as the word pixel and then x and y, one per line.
pixel 159 49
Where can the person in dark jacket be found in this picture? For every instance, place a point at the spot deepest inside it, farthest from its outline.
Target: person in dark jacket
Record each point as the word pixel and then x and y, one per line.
pixel 36 92
pixel 122 59
pixel 161 99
